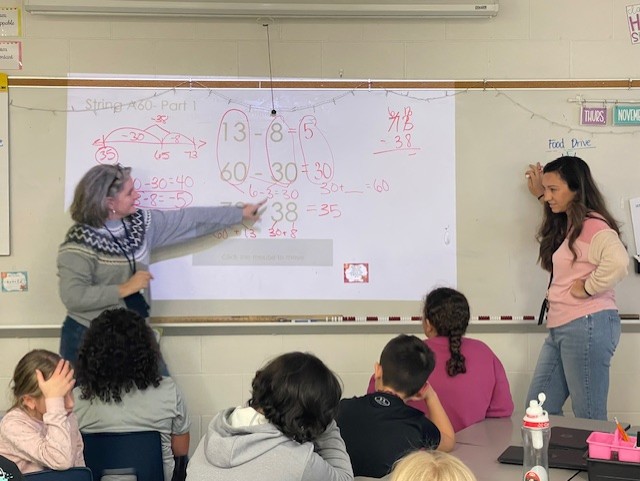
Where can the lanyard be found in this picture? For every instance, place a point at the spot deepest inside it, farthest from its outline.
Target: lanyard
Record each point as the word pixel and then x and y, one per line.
pixel 126 252
pixel 545 304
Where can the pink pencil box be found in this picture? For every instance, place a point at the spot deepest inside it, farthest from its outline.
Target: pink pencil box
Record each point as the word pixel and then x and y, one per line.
pixel 604 445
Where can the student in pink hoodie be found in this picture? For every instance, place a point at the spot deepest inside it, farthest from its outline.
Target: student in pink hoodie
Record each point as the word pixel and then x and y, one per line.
pixel 463 365
pixel 40 430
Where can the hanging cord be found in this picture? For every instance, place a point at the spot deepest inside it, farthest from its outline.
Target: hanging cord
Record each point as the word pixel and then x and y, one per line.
pixel 273 106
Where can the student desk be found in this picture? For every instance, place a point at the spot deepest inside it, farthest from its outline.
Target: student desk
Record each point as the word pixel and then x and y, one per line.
pixel 479 446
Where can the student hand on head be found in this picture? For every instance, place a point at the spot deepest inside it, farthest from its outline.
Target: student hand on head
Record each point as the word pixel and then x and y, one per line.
pixel 60 383
pixel 438 416
pixel 534 179
pixel 427 392
pixel 424 393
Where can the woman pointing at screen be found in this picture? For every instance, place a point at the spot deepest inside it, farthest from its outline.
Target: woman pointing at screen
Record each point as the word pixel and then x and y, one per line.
pixel 103 261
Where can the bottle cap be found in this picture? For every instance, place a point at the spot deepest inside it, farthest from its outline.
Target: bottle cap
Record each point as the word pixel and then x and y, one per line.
pixel 535 417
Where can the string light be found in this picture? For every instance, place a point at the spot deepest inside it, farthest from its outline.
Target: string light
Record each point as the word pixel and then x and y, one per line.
pixel 191 84
pixel 96 109
pixel 364 87
pixel 565 126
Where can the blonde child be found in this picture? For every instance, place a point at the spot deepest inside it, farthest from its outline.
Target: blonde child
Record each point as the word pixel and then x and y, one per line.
pixel 431 466
pixel 40 430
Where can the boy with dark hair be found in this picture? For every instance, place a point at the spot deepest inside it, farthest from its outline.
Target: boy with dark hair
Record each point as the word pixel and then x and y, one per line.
pixel 379 428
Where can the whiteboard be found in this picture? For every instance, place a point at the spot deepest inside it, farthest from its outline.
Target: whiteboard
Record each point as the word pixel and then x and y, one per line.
pixel 497 134
pixel 360 186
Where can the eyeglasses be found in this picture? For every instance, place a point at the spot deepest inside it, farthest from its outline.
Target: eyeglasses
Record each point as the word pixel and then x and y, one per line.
pixel 119 173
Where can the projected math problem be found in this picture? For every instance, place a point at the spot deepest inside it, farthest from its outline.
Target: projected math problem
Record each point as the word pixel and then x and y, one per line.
pixel 363 184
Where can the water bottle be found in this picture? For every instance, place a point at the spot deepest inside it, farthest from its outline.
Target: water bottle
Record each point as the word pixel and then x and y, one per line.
pixel 535 441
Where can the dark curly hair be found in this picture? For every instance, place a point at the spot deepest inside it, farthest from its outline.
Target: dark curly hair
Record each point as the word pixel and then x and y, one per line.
pixel 406 363
pixel 119 352
pixel 298 394
pixel 447 310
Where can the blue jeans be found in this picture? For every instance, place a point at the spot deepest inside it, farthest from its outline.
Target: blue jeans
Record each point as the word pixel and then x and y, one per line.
pixel 71 338
pixel 575 361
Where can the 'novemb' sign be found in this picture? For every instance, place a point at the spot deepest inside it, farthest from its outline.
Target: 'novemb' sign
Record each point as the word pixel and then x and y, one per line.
pixel 626 115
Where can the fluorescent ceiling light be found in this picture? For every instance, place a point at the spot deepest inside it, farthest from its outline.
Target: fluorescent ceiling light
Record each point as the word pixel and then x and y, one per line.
pixel 275 8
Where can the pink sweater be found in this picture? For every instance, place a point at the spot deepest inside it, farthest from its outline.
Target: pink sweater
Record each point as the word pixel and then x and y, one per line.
pixel 55 442
pixel 482 392
pixel 601 261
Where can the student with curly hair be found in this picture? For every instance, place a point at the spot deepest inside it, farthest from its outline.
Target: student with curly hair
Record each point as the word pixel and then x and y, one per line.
pixel 286 432
pixel 120 388
pixel 431 466
pixel 463 365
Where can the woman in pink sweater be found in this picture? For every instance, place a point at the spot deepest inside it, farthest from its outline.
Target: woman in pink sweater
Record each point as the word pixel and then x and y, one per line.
pixel 580 247
pixel 40 431
pixel 463 365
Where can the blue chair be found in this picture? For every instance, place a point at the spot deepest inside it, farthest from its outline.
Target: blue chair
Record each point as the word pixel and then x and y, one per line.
pixel 138 453
pixel 72 474
pixel 9 470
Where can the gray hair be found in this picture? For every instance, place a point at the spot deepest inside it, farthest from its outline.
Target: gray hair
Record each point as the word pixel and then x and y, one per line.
pixel 89 200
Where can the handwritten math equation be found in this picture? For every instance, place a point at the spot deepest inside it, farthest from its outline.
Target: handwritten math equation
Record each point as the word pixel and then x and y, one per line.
pixel 287 160
pixel 401 133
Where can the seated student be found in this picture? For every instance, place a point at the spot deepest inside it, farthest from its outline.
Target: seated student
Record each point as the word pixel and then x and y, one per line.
pixel 463 365
pixel 380 428
pixel 39 431
pixel 431 466
pixel 286 432
pixel 120 388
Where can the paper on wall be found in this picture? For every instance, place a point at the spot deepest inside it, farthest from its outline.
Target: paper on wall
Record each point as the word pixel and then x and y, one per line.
pixel 634 205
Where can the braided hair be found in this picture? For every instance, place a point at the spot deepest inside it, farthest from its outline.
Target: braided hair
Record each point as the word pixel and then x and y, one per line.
pixel 447 310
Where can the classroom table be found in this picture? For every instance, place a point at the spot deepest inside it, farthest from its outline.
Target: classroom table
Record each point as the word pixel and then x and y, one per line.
pixel 479 446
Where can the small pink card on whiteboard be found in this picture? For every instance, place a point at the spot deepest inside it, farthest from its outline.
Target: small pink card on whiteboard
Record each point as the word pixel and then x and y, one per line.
pixel 356 273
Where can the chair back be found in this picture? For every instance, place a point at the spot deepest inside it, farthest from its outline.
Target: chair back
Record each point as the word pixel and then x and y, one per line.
pixel 72 474
pixel 137 452
pixel 9 470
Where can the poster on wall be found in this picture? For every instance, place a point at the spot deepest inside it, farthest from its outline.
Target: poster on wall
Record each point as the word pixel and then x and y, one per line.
pixel 10 22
